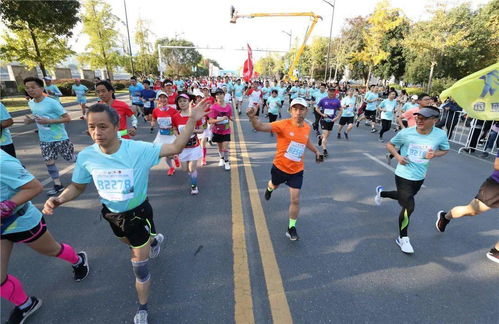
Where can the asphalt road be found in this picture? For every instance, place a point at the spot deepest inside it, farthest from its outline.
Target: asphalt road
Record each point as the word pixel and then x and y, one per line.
pixel 226 259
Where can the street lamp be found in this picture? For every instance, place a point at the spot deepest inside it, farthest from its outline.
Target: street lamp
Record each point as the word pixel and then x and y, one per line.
pixel 330 34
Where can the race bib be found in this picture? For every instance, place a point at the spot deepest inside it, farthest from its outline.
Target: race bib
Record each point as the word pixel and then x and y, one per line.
pixel 295 151
pixel 329 112
pixel 147 104
pixel 223 122
pixel 164 122
pixel 114 184
pixel 135 99
pixel 416 153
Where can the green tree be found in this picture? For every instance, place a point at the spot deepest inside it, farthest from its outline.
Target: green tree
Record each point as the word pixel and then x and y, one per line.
pixel 179 61
pixel 351 36
pixel 146 58
pixel 39 31
pixel 99 23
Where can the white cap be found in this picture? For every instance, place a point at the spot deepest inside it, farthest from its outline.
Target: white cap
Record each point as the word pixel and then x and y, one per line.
pixel 299 101
pixel 161 93
pixel 47 78
pixel 414 97
pixel 198 93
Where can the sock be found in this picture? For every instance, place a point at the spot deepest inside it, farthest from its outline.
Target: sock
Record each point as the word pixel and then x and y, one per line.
pixel 270 189
pixel 143 307
pixel 26 304
pixel 194 178
pixel 221 154
pixel 226 156
pixel 447 214
pixel 169 163
pixel 53 171
pixel 12 290
pixel 292 223
pixel 68 254
pixel 204 152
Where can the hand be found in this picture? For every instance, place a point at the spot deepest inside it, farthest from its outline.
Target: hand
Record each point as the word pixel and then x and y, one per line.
pixel 132 131
pixel 430 154
pixel 200 110
pixel 51 204
pixel 251 112
pixel 42 120
pixel 50 92
pixel 402 160
pixel 319 157
pixel 28 119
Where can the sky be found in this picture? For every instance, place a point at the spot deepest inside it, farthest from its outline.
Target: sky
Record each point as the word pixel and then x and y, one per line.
pixel 206 23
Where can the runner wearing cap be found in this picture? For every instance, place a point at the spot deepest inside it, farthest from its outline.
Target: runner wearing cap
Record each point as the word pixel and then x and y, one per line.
pixel 162 117
pixel 293 136
pixel 322 93
pixel 80 91
pixel 330 110
pixel 220 117
pixel 148 96
pixel 120 171
pixel 418 145
pixel 238 94
pixel 273 107
pixel 486 199
pixel 6 121
pixel 387 107
pixel 348 104
pixel 50 117
pixel 134 91
pixel 105 91
pixel 170 92
pixel 51 89
pixel 413 103
pixel 192 151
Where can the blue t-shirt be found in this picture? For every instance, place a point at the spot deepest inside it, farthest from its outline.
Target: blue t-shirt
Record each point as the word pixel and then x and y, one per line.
pixel 51 109
pixel 146 95
pixel 348 105
pixel 55 90
pixel 389 106
pixel 179 84
pixel 415 146
pixel 371 96
pixel 281 92
pixel 79 90
pixel 302 92
pixel 6 139
pixel 294 92
pixel 408 105
pixel 238 90
pixel 134 92
pixel 274 103
pixel 12 178
pixel 120 178
pixel 329 107
pixel 266 92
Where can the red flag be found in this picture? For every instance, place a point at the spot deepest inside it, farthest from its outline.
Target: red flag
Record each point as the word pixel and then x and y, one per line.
pixel 248 66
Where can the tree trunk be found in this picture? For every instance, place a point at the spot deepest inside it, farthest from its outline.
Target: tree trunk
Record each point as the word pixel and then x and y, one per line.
pixel 335 71
pixel 433 63
pixel 37 50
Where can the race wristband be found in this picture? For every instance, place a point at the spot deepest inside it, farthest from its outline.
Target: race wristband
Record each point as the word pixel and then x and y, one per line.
pixel 123 132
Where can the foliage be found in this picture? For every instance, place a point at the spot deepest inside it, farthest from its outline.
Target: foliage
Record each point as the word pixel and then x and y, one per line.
pixel 120 84
pixel 179 61
pixel 440 85
pixel 146 60
pixel 351 34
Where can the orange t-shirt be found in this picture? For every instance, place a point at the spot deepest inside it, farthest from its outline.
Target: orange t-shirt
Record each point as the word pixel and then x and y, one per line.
pixel 291 144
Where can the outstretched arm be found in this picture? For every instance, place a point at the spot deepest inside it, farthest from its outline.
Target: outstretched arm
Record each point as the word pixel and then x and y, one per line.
pixel 257 124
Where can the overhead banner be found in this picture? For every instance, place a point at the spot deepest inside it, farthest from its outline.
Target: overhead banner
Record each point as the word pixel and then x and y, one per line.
pixel 478 93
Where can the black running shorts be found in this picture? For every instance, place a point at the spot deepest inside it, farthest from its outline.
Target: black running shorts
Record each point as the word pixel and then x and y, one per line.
pixel 370 114
pixel 27 236
pixel 219 138
pixel 326 125
pixel 489 193
pixel 294 180
pixel 346 120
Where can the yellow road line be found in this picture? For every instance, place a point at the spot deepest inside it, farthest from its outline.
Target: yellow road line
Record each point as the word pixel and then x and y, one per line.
pixel 243 302
pixel 279 306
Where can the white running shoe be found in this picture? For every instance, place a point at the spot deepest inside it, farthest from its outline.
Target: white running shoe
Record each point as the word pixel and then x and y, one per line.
pixel 140 317
pixel 221 162
pixel 405 244
pixel 227 166
pixel 154 252
pixel 378 198
pixel 194 190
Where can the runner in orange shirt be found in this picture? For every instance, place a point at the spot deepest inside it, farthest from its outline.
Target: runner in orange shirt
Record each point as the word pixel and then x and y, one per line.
pixel 293 136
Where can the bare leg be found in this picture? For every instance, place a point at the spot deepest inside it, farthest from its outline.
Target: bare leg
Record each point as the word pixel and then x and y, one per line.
pixel 475 207
pixel 294 203
pixel 46 245
pixel 6 249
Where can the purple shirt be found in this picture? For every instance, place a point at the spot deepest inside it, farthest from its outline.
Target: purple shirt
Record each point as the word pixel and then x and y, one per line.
pixel 495 174
pixel 329 107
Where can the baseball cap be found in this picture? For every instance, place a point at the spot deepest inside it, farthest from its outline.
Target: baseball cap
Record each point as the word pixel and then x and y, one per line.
pixel 198 93
pixel 47 78
pixel 428 112
pixel 218 90
pixel 414 97
pixel 299 101
pixel 160 93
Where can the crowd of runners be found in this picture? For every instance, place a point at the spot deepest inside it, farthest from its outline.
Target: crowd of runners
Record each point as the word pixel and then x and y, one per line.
pixel 187 115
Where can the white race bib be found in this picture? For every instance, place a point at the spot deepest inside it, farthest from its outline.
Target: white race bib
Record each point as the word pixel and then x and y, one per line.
pixel 223 122
pixel 114 184
pixel 164 122
pixel 147 104
pixel 329 112
pixel 135 99
pixel 295 151
pixel 416 152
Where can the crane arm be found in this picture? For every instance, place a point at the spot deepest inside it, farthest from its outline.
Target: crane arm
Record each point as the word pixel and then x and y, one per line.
pixel 291 69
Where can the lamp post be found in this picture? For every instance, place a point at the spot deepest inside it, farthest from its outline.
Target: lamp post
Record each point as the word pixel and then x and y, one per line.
pixel 129 43
pixel 330 34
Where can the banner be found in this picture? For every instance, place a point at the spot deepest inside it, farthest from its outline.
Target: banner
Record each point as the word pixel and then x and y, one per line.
pixel 248 66
pixel 478 93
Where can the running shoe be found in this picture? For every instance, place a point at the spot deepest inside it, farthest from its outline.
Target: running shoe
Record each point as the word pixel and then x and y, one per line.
pixel 82 269
pixel 493 255
pixel 357 124
pixel 82 117
pixel 346 135
pixel 319 140
pixel 152 130
pixel 373 130
pixel 227 165
pixel 388 158
pixel 405 244
pixel 18 316
pixel 171 171
pixel 366 123
pixel 194 190
pixel 54 191
pixel 325 153
pixel 268 194
pixel 154 252
pixel 381 140
pixel 140 317
pixel 441 222
pixel 338 136
pixel 377 198
pixel 221 162
pixel 292 234
pixel 177 161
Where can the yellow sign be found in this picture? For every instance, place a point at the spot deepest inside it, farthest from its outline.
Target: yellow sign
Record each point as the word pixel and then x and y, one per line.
pixel 478 93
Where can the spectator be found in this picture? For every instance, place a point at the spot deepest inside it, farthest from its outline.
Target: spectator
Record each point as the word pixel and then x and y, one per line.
pixel 450 116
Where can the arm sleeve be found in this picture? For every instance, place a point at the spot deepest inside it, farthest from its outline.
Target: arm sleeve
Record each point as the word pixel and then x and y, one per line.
pixel 4 113
pixel 150 153
pixel 58 108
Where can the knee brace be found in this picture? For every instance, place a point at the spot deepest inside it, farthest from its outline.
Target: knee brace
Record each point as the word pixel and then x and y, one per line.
pixel 53 171
pixel 141 271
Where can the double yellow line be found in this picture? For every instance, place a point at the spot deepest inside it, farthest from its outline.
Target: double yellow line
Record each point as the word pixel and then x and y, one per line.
pixel 243 309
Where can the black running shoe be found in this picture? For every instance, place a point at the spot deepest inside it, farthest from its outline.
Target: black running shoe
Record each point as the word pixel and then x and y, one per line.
pixel 346 135
pixel 338 136
pixel 319 140
pixel 325 153
pixel 81 270
pixel 493 255
pixel 268 194
pixel 292 234
pixel 152 130
pixel 18 316
pixel 441 221
pixel 54 191
pixel 357 125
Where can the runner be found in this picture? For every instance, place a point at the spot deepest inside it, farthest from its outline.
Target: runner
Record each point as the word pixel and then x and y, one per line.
pixel 51 89
pixel 349 108
pixel 273 107
pixel 80 91
pixel 220 115
pixel 134 91
pixel 120 171
pixel 255 97
pixel 281 91
pixel 402 123
pixel 148 96
pixel 170 92
pixel 322 93
pixel 486 199
pixel 418 146
pixel 192 151
pixel 50 117
pixel 387 107
pixel 105 91
pixel 238 94
pixel 22 222
pixel 328 108
pixel 6 120
pixel 266 94
pixel 292 139
pixel 371 98
pixel 206 135
pixel 162 117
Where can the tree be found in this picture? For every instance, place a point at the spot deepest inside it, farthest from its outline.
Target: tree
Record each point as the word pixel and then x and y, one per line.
pixel 179 61
pixel 353 40
pixel 146 58
pixel 41 29
pixel 99 23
